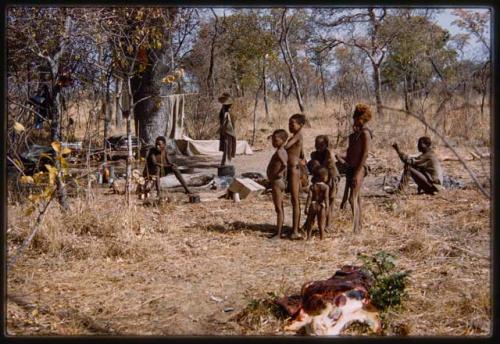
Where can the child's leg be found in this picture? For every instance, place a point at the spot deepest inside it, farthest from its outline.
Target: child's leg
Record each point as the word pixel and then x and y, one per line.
pixel 180 178
pixel 294 195
pixel 331 198
pixel 277 193
pixel 355 201
pixel 308 226
pixel 347 191
pixel 322 215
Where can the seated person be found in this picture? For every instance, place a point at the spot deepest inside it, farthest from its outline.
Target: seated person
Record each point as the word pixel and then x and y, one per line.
pixel 425 169
pixel 158 165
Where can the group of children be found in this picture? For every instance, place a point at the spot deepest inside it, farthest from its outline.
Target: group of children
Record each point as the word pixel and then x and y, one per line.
pixel 289 159
pixel 288 171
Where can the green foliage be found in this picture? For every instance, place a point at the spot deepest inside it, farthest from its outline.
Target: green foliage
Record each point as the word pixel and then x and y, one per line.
pixel 416 40
pixel 388 288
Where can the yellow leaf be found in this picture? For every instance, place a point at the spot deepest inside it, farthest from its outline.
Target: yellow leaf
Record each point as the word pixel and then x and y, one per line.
pixel 66 150
pixel 47 193
pixel 168 79
pixel 19 163
pixel 64 164
pixel 39 177
pixel 27 180
pixel 34 312
pixel 130 49
pixel 18 127
pixel 56 146
pixel 29 211
pixel 52 173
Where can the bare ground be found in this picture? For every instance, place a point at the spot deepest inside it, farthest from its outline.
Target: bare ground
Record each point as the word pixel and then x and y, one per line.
pixel 187 269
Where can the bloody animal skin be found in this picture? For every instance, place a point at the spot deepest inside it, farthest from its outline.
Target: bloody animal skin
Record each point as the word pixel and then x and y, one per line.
pixel 327 307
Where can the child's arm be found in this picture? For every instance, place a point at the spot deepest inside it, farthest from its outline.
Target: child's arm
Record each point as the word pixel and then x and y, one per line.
pixel 159 164
pixel 308 201
pixel 293 140
pixel 365 144
pixel 327 194
pixel 332 167
pixel 283 156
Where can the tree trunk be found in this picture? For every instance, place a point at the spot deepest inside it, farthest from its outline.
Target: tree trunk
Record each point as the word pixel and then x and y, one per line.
pixel 150 110
pixel 323 90
pixel 295 82
pixel 128 115
pixel 210 76
pixel 378 89
pixel 56 111
pixel 266 106
pixel 405 91
pixel 287 57
pixel 107 115
pixel 255 113
pixel 118 108
pixel 280 90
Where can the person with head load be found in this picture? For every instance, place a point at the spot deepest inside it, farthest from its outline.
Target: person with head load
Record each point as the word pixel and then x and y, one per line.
pixel 425 169
pixel 276 176
pixel 227 140
pixel 323 156
pixel 159 165
pixel 353 165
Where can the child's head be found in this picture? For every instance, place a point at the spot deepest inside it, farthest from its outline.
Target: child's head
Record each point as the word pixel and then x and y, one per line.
pixel 321 143
pixel 320 174
pixel 296 122
pixel 424 144
pixel 362 114
pixel 279 137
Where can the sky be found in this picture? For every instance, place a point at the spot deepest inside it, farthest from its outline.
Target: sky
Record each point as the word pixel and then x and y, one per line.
pixel 443 19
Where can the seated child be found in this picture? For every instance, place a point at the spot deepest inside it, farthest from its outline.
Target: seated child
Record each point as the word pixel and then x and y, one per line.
pixel 317 203
pixel 276 175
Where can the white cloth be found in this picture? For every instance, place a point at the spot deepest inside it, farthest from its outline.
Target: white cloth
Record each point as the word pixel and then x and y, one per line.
pixel 188 146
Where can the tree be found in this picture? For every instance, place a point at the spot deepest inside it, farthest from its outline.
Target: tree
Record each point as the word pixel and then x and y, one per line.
pixel 476 24
pixel 407 63
pixel 285 25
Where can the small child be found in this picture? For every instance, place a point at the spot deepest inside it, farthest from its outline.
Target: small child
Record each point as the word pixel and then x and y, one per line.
pixel 275 174
pixel 323 156
pixel 317 203
pixel 294 148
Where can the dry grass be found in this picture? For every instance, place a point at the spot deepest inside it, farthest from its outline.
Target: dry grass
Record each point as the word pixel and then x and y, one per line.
pixel 195 268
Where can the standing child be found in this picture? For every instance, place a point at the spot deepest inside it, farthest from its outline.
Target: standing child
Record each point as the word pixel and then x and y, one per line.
pixel 276 175
pixel 317 204
pixel 295 156
pixel 323 156
pixel 353 165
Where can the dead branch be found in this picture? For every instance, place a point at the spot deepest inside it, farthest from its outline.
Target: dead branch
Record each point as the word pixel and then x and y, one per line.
pixel 27 241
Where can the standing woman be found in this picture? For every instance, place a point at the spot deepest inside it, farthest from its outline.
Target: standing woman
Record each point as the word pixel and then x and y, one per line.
pixel 227 141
